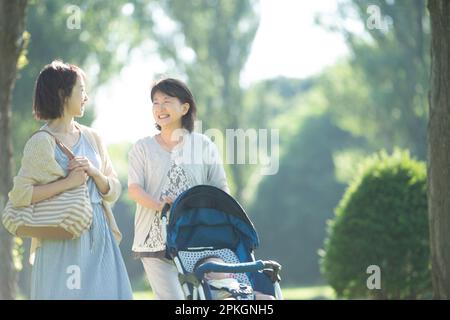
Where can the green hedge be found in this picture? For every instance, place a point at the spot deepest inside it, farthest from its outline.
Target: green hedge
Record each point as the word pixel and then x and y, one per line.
pixel 381 220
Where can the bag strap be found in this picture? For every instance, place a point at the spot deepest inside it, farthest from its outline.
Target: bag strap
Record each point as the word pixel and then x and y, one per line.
pixel 61 145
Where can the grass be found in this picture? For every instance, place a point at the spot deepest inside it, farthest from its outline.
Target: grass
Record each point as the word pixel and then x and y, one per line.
pixel 300 293
pixel 143 292
pixel 143 295
pixel 308 293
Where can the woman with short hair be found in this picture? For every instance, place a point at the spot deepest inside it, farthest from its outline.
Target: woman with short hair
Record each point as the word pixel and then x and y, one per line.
pixel 90 266
pixel 161 168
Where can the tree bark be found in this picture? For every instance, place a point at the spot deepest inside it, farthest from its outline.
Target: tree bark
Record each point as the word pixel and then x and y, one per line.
pixel 12 25
pixel 439 148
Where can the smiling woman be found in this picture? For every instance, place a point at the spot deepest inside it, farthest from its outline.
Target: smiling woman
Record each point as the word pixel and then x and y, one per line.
pixel 91 265
pixel 173 105
pixel 156 176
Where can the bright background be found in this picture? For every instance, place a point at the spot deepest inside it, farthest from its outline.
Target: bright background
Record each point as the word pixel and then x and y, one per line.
pixel 288 43
pixel 340 80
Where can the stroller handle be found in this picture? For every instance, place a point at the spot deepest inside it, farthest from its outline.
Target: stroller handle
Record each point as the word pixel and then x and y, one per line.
pixel 164 211
pixel 233 267
pixel 270 264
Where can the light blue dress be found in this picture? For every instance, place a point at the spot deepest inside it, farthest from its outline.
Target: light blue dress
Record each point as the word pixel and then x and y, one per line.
pixel 89 267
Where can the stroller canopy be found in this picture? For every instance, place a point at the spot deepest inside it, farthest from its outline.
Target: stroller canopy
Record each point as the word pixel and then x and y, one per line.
pixel 207 217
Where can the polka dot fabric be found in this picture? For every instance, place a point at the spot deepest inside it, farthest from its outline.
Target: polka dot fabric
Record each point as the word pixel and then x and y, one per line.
pixel 188 260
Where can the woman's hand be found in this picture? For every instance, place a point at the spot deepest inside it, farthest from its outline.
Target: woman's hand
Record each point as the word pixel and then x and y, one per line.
pixel 76 177
pixel 168 200
pixel 85 164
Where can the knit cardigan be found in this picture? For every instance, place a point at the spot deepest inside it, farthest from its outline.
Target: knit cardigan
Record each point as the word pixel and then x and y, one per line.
pixel 39 167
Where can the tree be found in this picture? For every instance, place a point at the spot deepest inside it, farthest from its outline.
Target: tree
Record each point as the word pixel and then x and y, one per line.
pixel 392 61
pixel 439 148
pixel 12 26
pixel 219 35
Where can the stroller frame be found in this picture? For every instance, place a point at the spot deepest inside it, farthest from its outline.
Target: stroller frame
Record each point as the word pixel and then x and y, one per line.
pixel 190 212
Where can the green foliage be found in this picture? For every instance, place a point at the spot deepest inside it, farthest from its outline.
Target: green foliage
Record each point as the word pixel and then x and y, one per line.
pixel 218 35
pixel 100 46
pixel 210 44
pixel 119 157
pixel 290 208
pixel 274 104
pixel 391 65
pixel 347 97
pixel 381 220
pixel 266 100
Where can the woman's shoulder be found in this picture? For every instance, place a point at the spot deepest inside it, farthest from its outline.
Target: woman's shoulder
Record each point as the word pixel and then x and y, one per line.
pixel 200 137
pixel 40 145
pixel 40 139
pixel 145 143
pixel 203 141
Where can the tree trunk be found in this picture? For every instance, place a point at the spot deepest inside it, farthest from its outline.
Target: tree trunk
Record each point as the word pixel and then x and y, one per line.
pixel 439 148
pixel 12 25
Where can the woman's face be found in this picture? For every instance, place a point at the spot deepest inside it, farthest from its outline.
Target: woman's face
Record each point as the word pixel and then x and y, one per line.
pixel 168 110
pixel 75 103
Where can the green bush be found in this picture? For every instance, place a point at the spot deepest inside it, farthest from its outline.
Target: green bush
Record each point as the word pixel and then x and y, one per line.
pixel 381 220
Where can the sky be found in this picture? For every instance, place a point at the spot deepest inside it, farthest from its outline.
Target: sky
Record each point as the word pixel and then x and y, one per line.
pixel 287 43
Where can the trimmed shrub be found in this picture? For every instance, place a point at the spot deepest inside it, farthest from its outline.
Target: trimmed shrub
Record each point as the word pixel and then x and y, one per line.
pixel 382 221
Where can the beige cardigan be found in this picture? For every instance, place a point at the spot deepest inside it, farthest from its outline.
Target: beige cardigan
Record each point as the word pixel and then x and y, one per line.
pixel 40 167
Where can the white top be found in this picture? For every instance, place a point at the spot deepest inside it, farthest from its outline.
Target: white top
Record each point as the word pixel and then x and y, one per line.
pixel 160 173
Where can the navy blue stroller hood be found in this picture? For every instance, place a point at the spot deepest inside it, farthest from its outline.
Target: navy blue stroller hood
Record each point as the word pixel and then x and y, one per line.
pixel 205 221
pixel 207 217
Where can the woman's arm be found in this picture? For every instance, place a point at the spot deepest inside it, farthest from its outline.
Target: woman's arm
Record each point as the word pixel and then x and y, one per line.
pixel 38 169
pixel 105 178
pixel 107 181
pixel 138 195
pixel 136 179
pixel 101 181
pixel 42 192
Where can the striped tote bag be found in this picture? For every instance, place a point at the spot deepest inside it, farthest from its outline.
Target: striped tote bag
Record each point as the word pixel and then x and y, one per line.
pixel 64 216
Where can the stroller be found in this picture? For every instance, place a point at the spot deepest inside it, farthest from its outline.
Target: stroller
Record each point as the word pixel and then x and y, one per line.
pixel 206 221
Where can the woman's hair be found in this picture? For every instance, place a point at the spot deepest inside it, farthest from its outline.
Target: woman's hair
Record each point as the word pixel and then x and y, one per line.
pixel 177 89
pixel 53 86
